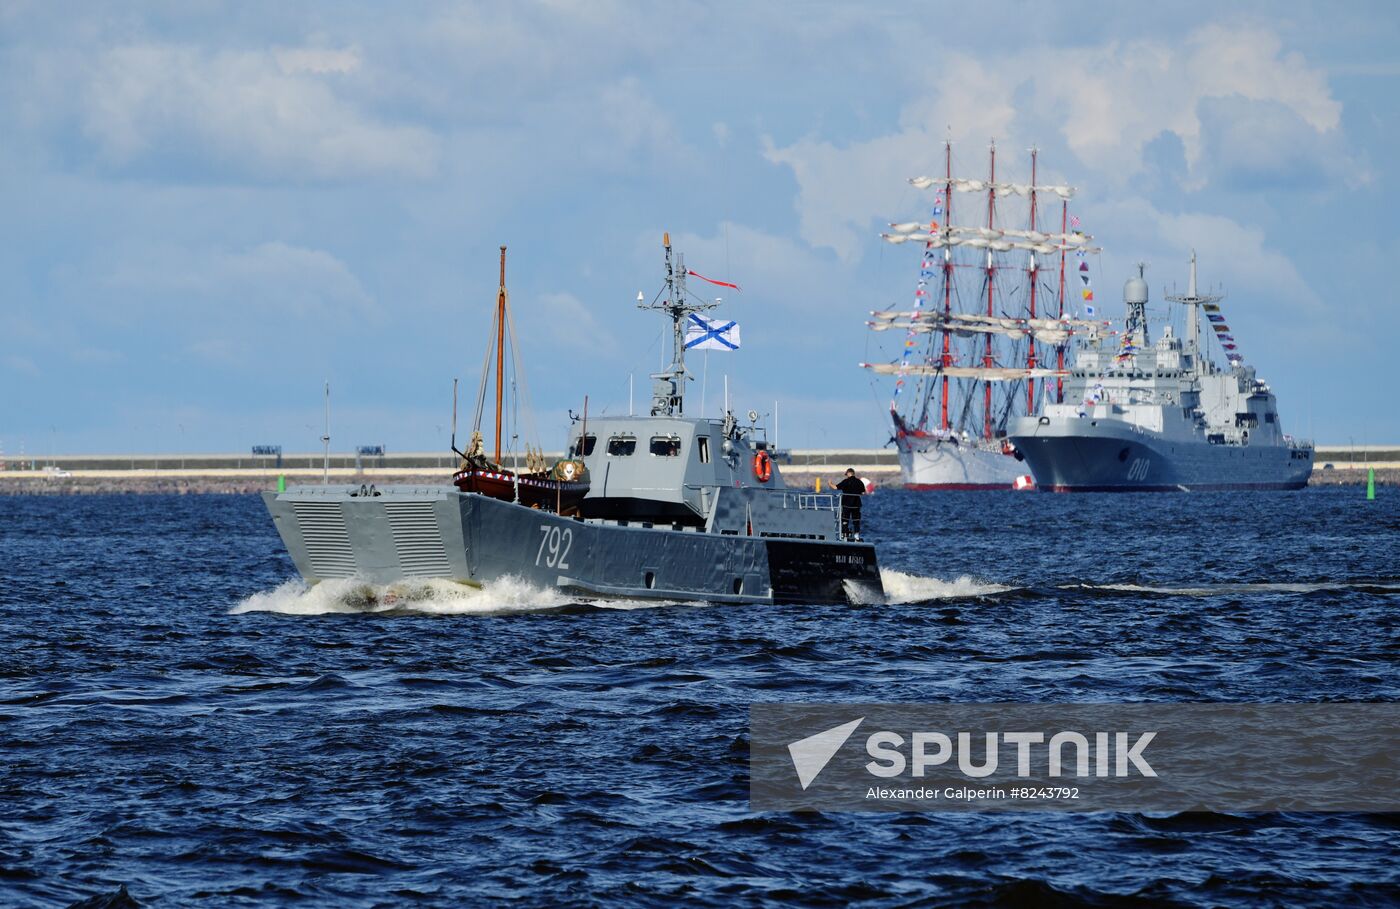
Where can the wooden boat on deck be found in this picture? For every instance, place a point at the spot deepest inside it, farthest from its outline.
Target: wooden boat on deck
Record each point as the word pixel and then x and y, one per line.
pixel 559 488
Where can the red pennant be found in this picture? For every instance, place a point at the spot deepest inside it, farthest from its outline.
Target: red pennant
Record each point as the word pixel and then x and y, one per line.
pixel 696 274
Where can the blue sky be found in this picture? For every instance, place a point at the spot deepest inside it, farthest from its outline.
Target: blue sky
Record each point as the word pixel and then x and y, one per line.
pixel 208 209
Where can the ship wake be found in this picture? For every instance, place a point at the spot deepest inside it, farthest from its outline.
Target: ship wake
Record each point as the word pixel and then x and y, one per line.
pixel 1243 588
pixel 506 596
pixel 901 588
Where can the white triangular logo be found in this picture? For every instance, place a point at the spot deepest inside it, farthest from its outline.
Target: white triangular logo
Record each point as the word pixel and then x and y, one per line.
pixel 811 755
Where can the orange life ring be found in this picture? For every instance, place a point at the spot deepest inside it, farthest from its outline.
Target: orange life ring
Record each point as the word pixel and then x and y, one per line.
pixel 763 467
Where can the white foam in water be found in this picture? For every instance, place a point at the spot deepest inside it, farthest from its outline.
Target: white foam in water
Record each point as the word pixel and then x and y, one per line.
pixel 912 588
pixel 431 597
pixel 435 597
pixel 1245 588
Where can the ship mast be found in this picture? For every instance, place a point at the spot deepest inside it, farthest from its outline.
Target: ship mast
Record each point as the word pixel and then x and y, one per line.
pixel 1194 301
pixel 1031 271
pixel 668 387
pixel 500 350
pixel 991 272
pixel 947 273
pixel 1060 348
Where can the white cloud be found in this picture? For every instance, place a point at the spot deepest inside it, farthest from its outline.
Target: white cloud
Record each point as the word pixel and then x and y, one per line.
pixel 1114 98
pixel 317 60
pixel 1105 102
pixel 1266 146
pixel 273 279
pixel 273 115
pixel 567 323
pixel 775 272
pixel 632 122
pixel 19 364
pixel 1240 252
pixel 1278 315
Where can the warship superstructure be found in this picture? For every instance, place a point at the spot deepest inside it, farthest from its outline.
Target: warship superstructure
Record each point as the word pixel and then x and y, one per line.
pixel 1145 415
pixel 985 338
pixel 677 508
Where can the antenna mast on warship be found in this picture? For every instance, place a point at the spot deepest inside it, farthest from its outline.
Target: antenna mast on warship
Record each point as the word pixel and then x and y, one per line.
pixel 668 387
pixel 1193 320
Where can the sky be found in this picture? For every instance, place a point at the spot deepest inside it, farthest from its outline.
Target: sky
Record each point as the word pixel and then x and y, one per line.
pixel 209 209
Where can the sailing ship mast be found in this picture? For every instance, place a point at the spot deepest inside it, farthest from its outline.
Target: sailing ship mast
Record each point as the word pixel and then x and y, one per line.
pixel 1060 349
pixel 1031 274
pixel 991 311
pixel 947 275
pixel 938 362
pixel 559 489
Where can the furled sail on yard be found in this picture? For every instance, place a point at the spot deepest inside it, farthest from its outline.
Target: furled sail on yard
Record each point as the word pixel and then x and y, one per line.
pixel 984 341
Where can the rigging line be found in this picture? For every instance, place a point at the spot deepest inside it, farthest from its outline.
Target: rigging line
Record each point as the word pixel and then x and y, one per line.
pixel 965 411
pixel 639 364
pixel 1013 395
pixel 519 375
pixel 485 370
pixel 727 247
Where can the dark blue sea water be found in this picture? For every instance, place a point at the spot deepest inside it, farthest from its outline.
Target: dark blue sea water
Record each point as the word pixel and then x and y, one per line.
pixel 179 718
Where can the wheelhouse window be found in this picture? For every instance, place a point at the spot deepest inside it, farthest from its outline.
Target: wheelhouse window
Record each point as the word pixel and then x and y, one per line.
pixel 666 446
pixel 622 446
pixel 702 446
pixel 583 447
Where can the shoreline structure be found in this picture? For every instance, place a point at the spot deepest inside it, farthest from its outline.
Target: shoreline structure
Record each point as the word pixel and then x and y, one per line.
pixel 244 473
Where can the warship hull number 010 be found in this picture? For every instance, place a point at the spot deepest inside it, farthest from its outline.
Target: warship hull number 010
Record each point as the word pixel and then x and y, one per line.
pixel 661 506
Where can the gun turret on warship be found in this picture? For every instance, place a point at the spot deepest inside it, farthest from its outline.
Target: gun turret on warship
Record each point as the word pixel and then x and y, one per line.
pixel 1145 415
pixel 675 508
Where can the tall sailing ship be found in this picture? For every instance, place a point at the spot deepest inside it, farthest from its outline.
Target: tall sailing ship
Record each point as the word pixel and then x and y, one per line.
pixel 985 339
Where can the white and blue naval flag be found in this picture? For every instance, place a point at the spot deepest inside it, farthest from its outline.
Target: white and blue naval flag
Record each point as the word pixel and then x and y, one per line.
pixel 711 334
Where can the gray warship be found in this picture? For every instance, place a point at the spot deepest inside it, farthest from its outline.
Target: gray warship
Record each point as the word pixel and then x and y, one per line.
pixel 676 508
pixel 1139 415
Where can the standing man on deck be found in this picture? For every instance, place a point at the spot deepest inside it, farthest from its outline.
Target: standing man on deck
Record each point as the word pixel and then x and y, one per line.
pixel 851 490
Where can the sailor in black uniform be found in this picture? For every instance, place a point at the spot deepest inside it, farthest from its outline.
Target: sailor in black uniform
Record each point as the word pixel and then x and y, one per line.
pixel 851 490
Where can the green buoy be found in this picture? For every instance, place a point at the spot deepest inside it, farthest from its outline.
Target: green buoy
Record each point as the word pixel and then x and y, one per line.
pixel 1370 484
pixel 281 482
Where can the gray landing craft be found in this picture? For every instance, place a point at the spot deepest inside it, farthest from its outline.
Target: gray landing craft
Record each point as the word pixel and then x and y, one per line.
pixel 678 508
pixel 1156 416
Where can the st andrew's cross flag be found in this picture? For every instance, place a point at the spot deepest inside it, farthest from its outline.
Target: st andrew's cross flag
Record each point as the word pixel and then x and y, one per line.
pixel 711 334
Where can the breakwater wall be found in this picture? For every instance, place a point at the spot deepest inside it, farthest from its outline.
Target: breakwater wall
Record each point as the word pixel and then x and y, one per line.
pixel 235 473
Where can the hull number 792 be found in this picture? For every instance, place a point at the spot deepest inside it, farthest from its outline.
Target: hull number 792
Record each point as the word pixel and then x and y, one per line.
pixel 554 546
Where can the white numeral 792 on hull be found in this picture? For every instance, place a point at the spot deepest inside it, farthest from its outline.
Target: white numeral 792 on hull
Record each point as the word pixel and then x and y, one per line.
pixel 554 546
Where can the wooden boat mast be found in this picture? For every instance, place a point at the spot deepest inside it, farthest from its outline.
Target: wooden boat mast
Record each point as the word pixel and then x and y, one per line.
pixel 500 350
